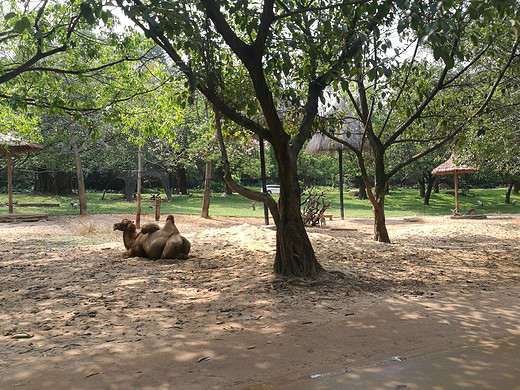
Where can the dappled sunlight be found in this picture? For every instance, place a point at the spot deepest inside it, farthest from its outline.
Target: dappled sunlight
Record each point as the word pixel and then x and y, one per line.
pixel 93 317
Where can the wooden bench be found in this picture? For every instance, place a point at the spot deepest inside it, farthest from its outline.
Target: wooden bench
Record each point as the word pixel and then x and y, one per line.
pixel 329 216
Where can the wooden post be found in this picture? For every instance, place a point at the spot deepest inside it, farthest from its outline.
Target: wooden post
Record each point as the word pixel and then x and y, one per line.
pixel 340 158
pixel 157 208
pixel 139 177
pixel 9 182
pixel 456 194
pixel 207 191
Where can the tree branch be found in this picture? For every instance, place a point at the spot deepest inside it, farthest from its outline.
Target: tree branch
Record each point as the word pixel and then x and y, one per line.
pixel 250 194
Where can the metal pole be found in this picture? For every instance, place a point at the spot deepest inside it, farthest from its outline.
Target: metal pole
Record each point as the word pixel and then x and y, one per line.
pixel 264 182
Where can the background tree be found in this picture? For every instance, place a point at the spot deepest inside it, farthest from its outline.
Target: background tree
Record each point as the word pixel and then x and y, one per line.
pixel 468 50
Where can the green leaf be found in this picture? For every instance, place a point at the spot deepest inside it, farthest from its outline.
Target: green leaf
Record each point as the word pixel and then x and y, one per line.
pixel 9 15
pixel 22 25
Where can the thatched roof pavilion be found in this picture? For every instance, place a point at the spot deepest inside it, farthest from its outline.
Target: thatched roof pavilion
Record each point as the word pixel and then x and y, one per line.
pixel 10 145
pixel 351 132
pixel 449 167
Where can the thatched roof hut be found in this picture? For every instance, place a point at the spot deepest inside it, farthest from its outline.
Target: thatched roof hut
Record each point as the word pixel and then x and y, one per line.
pixel 351 132
pixel 449 167
pixel 13 145
pixel 10 145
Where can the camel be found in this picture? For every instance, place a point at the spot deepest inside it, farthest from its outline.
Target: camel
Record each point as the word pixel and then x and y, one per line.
pixel 153 242
pixel 129 232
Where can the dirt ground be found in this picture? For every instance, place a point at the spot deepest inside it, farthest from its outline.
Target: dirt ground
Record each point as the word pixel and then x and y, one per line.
pixel 76 314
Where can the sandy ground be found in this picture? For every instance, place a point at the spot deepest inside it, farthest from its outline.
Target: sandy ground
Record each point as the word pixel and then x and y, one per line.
pixel 76 314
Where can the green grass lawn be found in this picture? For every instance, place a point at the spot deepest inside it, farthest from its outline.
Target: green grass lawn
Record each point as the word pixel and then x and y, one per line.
pixel 400 202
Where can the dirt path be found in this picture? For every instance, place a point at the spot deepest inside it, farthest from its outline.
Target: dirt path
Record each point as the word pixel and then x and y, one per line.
pixel 219 320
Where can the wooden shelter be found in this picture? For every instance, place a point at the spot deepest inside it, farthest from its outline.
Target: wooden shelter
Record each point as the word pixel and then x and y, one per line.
pixel 450 168
pixel 10 145
pixel 352 133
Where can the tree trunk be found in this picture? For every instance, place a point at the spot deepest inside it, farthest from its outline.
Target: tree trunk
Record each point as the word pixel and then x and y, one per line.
pixel 508 193
pixel 436 186
pixel 295 257
pixel 380 231
pixel 48 182
pixel 207 191
pixel 378 200
pixel 422 187
pixel 362 190
pixel 220 173
pixel 79 174
pixel 182 182
pixel 431 181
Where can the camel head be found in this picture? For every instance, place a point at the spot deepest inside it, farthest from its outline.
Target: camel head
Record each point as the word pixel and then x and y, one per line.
pixel 125 225
pixel 170 218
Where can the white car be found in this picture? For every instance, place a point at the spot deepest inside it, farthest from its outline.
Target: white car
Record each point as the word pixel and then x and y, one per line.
pixel 273 188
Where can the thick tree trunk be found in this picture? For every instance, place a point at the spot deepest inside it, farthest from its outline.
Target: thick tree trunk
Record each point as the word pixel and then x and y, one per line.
pixel 295 257
pixel 48 182
pixel 79 174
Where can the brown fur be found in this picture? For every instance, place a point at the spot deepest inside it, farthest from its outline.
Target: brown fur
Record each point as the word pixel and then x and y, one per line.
pixel 129 232
pixel 150 228
pixel 153 242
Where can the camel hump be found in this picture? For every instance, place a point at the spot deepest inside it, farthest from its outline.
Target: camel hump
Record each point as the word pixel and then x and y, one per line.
pixel 150 228
pixel 170 225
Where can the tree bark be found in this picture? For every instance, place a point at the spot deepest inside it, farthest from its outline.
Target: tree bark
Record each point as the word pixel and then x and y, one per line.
pixel 380 230
pixel 422 187
pixel 436 186
pixel 378 201
pixel 207 191
pixel 431 179
pixel 48 182
pixel 79 174
pixel 508 193
pixel 295 257
pixel 362 189
pixel 182 182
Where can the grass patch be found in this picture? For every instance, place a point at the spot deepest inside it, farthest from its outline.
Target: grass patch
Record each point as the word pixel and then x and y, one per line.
pixel 400 202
